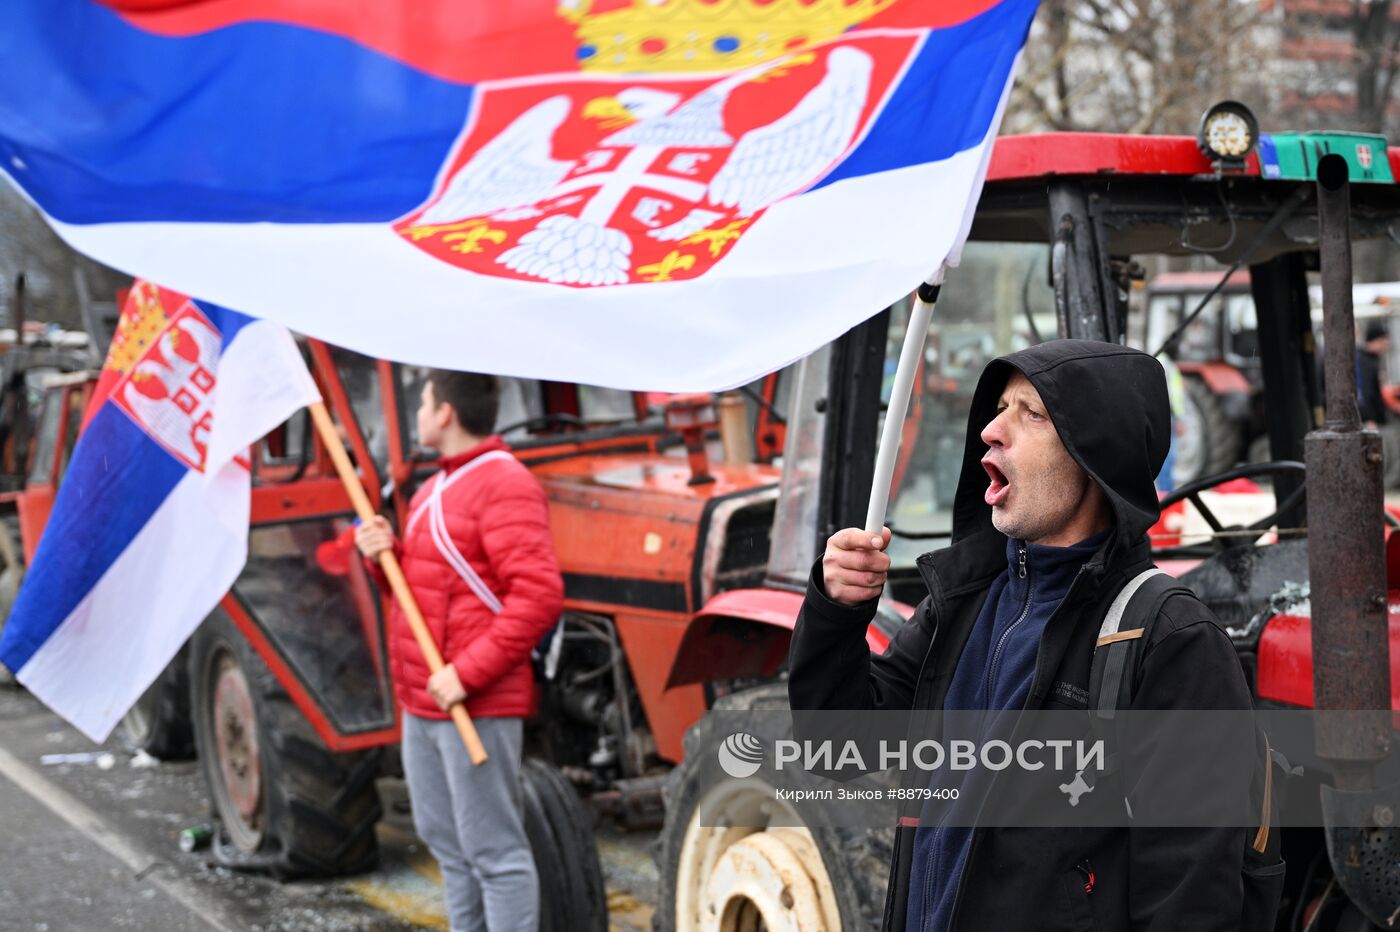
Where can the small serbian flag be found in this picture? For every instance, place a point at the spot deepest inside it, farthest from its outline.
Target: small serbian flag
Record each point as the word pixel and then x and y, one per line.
pixel 150 526
pixel 674 195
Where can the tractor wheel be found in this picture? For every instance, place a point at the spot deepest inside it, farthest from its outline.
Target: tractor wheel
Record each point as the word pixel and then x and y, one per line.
pixel 159 722
pixel 1210 441
pixel 740 877
pixel 572 895
pixel 281 800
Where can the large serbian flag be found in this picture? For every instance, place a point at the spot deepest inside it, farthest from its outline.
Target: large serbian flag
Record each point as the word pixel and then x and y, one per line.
pixel 150 526
pixel 653 194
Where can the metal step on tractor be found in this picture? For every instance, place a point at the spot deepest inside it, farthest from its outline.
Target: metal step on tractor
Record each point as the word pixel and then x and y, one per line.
pixel 685 554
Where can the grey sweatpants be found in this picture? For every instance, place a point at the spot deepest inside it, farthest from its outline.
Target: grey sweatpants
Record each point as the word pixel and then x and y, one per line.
pixel 470 819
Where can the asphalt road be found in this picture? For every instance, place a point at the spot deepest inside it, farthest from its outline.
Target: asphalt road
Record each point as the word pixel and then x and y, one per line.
pixel 87 848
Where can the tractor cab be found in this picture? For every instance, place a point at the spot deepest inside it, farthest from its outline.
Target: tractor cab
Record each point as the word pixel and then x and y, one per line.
pixel 1065 231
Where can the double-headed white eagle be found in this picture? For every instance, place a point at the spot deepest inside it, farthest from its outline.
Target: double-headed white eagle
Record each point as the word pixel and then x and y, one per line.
pixel 517 170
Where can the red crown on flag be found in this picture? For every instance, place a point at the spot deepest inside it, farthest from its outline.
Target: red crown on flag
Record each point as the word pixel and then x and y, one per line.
pixel 142 319
pixel 705 35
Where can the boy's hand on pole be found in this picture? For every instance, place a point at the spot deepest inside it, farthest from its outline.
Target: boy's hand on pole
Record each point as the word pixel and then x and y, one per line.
pixel 445 688
pixel 374 537
pixel 855 565
pixel 325 427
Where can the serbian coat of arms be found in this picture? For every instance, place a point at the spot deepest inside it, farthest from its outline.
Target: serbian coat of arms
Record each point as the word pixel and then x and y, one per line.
pixel 591 179
pixel 165 365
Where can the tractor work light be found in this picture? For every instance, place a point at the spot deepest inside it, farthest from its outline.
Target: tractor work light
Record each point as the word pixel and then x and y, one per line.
pixel 1228 134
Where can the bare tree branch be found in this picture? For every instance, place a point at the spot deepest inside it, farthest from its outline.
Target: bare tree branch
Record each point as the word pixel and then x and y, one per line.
pixel 1138 65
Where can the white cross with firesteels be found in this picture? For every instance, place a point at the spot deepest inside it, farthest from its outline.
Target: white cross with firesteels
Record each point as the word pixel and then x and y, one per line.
pixel 615 184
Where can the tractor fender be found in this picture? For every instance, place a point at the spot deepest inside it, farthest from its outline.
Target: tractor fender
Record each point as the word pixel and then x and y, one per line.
pixel 745 633
pixel 1285 659
pixel 1285 667
pixel 1220 377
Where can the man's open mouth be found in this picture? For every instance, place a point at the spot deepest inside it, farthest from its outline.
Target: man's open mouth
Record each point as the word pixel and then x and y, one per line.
pixel 998 488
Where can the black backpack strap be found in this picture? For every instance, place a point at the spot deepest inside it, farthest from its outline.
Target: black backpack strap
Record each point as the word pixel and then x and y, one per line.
pixel 1122 640
pixel 1118 650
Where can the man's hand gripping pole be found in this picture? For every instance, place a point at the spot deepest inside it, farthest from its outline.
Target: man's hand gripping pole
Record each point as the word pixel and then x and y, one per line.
pixel 394 573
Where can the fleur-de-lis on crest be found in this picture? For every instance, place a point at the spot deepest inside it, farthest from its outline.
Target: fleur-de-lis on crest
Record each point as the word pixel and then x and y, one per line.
pixel 673 261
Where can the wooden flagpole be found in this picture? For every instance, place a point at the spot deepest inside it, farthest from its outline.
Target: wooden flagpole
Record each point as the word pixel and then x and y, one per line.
pixel 393 572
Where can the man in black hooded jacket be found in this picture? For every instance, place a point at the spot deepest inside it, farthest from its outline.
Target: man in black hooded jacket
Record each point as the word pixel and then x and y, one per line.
pixel 1053 504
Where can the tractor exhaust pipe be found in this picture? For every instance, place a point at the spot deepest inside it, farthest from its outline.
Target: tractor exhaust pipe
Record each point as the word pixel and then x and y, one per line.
pixel 1350 617
pixel 1346 555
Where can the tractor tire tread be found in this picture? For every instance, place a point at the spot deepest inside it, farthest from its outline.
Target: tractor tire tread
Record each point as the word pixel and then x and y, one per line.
pixel 322 806
pixel 573 895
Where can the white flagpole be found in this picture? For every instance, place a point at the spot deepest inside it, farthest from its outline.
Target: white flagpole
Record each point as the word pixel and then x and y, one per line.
pixel 888 454
pixel 915 336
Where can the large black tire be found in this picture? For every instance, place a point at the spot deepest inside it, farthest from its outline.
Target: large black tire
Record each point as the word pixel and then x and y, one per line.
pixel 159 723
pixel 1213 441
pixel 849 868
pixel 572 894
pixel 310 812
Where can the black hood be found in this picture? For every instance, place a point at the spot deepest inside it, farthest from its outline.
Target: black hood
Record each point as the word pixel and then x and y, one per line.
pixel 1109 405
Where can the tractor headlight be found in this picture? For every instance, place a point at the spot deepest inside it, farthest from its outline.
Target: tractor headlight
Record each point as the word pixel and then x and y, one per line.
pixel 1228 133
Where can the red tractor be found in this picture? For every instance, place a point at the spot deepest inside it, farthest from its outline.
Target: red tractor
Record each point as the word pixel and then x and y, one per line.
pixel 684 572
pixel 284 691
pixel 1218 356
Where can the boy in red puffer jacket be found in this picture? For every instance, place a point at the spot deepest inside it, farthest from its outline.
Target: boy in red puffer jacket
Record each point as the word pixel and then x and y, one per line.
pixel 478 555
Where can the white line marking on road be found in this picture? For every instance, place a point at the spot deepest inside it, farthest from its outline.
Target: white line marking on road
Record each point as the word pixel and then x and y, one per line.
pixel 90 824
